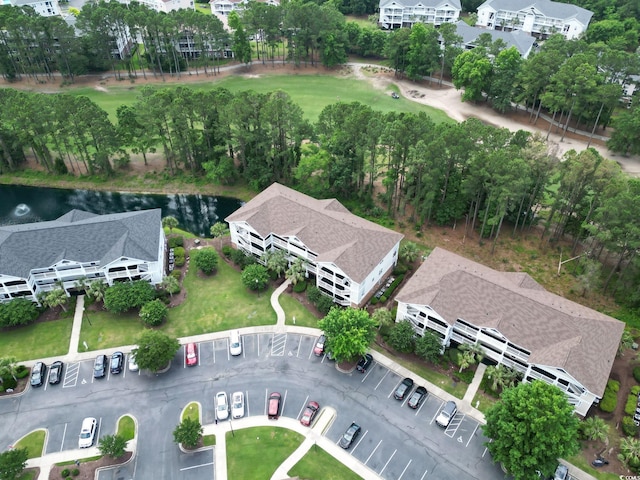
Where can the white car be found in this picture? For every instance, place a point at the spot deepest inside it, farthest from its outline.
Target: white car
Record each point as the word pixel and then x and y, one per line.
pixel 235 343
pixel 446 414
pixel 237 405
pixel 222 406
pixel 87 432
pixel 133 366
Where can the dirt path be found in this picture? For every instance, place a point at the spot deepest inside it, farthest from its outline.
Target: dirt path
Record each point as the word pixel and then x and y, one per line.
pixel 449 100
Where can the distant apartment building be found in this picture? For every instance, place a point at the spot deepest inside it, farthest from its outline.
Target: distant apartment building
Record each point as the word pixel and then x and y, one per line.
pixel 523 42
pixel 222 8
pixel 539 18
pixel 165 6
pixel 48 8
pixel 404 13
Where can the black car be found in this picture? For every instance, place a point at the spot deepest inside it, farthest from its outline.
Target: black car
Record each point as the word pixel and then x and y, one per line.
pixel 350 435
pixel 100 366
pixel 364 363
pixel 55 372
pixel 117 360
pixel 403 389
pixel 417 398
pixel 38 372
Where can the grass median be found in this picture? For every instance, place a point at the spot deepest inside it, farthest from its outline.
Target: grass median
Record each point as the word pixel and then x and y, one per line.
pixel 33 442
pixel 318 464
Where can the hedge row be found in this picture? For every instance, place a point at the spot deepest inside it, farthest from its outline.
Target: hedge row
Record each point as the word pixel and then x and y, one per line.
pixel 610 397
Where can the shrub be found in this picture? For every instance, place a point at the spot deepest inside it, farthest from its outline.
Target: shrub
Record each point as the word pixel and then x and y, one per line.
pixel 241 259
pixel 628 427
pixel 179 256
pixel 8 382
pixel 227 251
pixel 383 299
pixel 636 374
pixel 65 473
pixel 176 241
pixel 374 301
pixel 313 294
pixel 300 287
pixel 402 337
pixel 21 371
pixel 205 259
pixel 613 385
pixel 153 313
pixel 400 269
pixel 635 390
pixel 389 291
pixel 1 388
pixel 630 406
pixel 176 274
pixel 453 356
pixel 18 312
pixel 610 398
pixel 324 304
pixel 75 472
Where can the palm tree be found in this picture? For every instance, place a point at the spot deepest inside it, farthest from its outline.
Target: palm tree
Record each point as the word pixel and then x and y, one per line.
pixel 595 428
pixel 8 366
pixel 57 297
pixel 409 252
pixel 629 452
pixel 297 271
pixel 170 284
pixel 96 290
pixel 501 377
pixel 170 222
pixel 276 261
pixel 626 342
pixel 471 354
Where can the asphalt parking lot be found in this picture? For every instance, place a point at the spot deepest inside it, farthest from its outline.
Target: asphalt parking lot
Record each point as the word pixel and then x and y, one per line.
pixel 396 441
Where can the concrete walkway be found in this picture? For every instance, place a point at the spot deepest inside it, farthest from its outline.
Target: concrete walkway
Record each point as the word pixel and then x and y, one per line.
pixel 314 436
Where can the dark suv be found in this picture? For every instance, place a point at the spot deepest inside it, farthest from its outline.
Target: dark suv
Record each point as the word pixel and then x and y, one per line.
pixel 364 363
pixel 100 366
pixel 117 360
pixel 38 372
pixel 403 389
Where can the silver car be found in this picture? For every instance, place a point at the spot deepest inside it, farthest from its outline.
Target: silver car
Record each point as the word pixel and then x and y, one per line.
pixel 222 406
pixel 237 405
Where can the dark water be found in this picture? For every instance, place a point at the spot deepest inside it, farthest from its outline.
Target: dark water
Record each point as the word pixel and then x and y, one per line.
pixel 195 213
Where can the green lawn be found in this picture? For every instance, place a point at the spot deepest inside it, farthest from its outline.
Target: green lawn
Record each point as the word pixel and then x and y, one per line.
pixel 256 453
pixel 319 465
pixel 584 465
pixel 39 340
pixel 209 440
pixel 29 474
pixel 293 308
pixel 192 411
pixel 311 91
pixel 216 303
pixel 34 443
pixel 127 428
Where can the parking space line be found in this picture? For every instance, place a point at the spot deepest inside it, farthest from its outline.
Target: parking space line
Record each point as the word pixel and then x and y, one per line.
pixel 366 374
pixel 299 345
pixel 99 428
pixel 424 474
pixel 258 345
pixel 266 399
pixel 64 433
pixel 405 469
pixel 385 465
pixel 383 377
pixel 453 426
pixel 213 346
pixel 486 449
pixel 246 402
pixel 71 373
pixel 437 412
pixel 284 401
pixel 302 408
pixel 242 343
pixel 374 451
pixel 394 389
pixel 424 402
pixel 228 349
pixel 359 441
pixel 472 434
pixel 196 466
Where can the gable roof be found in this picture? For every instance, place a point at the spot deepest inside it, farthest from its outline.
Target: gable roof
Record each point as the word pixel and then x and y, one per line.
pixel 326 227
pixel 425 3
pixel 557 331
pixel 519 39
pixel 550 9
pixel 82 237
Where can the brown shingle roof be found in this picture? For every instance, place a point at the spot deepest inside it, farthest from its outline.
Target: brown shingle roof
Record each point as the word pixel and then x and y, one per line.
pixel 557 331
pixel 326 227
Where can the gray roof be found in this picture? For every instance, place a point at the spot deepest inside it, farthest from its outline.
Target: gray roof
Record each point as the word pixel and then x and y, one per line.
pixel 546 7
pixel 519 39
pixel 82 237
pixel 557 331
pixel 326 227
pixel 426 3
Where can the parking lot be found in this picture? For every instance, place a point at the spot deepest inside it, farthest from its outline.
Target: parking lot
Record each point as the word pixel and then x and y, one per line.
pixel 396 441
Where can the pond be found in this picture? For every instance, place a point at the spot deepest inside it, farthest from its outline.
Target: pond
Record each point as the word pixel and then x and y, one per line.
pixel 195 213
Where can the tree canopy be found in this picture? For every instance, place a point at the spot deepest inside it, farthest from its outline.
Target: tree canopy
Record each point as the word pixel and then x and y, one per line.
pixel 530 427
pixel 155 350
pixel 12 463
pixel 349 332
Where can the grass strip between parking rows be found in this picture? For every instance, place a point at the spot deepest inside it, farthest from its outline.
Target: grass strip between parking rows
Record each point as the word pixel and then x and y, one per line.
pixel 126 428
pixel 318 464
pixel 33 442
pixel 256 453
pixel 81 460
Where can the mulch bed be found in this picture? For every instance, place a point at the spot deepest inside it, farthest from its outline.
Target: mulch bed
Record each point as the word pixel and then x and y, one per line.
pixel 88 469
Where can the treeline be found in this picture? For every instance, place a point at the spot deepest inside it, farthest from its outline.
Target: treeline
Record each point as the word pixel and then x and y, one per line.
pixel 430 173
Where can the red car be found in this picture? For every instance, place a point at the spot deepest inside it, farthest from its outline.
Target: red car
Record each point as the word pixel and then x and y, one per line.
pixel 191 354
pixel 309 413
pixel 318 348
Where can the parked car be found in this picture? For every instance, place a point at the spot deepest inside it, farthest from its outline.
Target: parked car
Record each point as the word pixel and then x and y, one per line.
pixel 364 363
pixel 191 354
pixel 318 348
pixel 273 407
pixel 38 373
pixel 87 432
pixel 446 414
pixel 562 473
pixel 235 343
pixel 133 365
pixel 100 366
pixel 309 413
pixel 417 398
pixel 117 360
pixel 55 372
pixel 237 405
pixel 222 406
pixel 403 389
pixel 350 435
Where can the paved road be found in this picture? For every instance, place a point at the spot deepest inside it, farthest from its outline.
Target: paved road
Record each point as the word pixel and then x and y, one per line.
pixel 396 442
